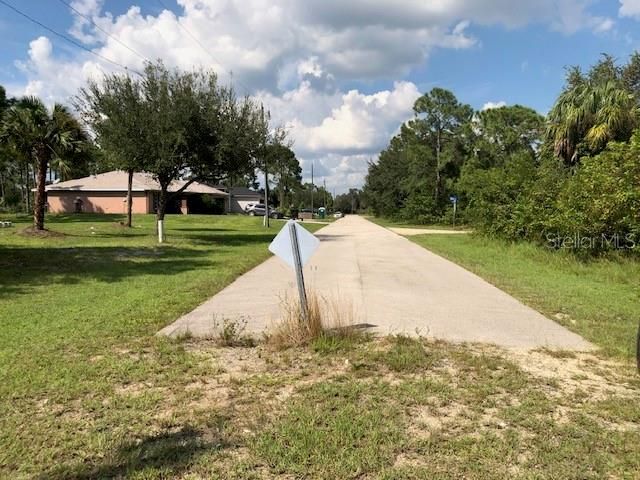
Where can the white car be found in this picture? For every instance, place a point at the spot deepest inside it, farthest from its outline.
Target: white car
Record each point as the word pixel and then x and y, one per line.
pixel 338 215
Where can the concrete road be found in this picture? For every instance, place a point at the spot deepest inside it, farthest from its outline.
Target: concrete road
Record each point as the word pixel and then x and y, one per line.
pixel 393 285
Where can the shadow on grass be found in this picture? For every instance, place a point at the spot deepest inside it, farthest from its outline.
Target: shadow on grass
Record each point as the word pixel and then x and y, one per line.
pixel 23 268
pixel 169 454
pixel 200 229
pixel 233 240
pixel 84 218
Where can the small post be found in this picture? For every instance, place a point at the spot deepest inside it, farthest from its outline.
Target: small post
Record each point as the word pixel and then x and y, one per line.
pixel 454 199
pixel 455 204
pixel 298 267
pixel 160 231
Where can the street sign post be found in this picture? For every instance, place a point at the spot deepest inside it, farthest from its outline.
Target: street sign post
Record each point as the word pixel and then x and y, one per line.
pixel 295 246
pixel 454 199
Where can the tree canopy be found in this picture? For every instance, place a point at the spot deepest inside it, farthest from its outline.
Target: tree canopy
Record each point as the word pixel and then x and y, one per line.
pixel 174 125
pixel 37 135
pixel 516 173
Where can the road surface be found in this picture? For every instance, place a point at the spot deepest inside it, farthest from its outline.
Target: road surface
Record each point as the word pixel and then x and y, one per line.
pixel 392 285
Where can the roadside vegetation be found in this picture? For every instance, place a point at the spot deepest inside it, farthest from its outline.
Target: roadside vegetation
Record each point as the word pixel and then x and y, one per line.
pixel 569 181
pixel 398 223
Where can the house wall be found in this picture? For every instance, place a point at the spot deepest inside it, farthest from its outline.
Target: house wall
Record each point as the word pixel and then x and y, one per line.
pixel 238 204
pixel 97 202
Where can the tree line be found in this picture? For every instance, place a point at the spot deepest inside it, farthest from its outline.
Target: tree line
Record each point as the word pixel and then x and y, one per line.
pixel 176 125
pixel 574 174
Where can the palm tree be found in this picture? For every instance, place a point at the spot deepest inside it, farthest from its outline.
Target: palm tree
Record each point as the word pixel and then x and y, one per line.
pixel 588 115
pixel 41 135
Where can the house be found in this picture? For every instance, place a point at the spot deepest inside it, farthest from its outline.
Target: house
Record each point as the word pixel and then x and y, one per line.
pixel 240 197
pixel 107 193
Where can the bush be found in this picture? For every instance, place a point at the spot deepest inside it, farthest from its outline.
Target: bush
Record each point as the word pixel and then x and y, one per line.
pixel 496 195
pixel 601 202
pixel 420 208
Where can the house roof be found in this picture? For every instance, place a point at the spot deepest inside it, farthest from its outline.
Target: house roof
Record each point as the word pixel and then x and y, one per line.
pixel 244 192
pixel 116 181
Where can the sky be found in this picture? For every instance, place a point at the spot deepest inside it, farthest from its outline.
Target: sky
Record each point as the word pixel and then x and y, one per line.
pixel 341 76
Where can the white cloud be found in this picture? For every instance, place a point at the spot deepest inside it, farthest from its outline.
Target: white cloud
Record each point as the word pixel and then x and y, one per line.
pixel 342 138
pixel 630 8
pixel 361 123
pixel 490 105
pixel 603 25
pixel 87 9
pixel 297 56
pixel 51 79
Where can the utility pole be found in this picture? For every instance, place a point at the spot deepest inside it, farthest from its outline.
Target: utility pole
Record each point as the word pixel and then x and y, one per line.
pixel 312 188
pixel 324 187
pixel 266 194
pixel 265 221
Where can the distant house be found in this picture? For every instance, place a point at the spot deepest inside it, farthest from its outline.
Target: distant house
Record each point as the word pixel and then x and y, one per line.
pixel 107 193
pixel 240 197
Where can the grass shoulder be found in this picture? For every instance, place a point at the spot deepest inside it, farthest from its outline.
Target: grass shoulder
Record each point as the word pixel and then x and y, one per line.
pixel 395 223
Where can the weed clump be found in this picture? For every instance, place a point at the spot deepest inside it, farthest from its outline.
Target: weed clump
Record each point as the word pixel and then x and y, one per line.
pixel 231 333
pixel 328 327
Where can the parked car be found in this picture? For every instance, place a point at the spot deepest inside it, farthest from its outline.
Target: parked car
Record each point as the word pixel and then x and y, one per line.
pixel 255 209
pixel 338 215
pixel 258 210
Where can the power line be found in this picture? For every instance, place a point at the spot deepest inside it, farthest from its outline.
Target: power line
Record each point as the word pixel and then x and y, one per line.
pixel 66 38
pixel 89 19
pixel 195 39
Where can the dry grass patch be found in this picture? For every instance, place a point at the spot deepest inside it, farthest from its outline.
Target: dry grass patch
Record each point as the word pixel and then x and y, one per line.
pixel 330 325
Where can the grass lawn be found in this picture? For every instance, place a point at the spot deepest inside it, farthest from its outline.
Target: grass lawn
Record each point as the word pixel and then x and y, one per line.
pixel 79 313
pixel 599 299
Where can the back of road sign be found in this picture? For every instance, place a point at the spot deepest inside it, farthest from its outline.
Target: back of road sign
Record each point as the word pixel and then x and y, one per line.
pixel 281 245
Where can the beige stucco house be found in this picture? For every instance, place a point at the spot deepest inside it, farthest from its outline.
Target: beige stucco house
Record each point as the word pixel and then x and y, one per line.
pixel 107 193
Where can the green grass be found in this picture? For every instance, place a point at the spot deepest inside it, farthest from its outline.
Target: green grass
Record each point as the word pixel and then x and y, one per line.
pixel 79 313
pixel 337 429
pixel 599 299
pixel 395 223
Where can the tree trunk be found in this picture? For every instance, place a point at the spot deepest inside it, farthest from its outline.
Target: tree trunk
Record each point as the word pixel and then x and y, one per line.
pixel 129 199
pixel 41 177
pixel 281 186
pixel 27 193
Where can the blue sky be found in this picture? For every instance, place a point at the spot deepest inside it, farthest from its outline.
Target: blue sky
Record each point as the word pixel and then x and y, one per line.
pixel 341 75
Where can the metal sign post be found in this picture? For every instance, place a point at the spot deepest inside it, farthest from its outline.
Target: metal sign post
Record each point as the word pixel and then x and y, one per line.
pixel 295 246
pixel 302 292
pixel 454 200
